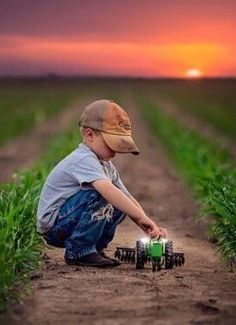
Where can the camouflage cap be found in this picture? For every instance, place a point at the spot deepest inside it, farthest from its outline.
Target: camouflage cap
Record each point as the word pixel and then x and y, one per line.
pixel 113 122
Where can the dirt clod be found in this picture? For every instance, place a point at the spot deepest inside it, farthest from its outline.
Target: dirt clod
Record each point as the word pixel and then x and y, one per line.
pixel 36 275
pixel 207 308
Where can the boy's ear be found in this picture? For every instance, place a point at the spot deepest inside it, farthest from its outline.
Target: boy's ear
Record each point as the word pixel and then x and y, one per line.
pixel 89 132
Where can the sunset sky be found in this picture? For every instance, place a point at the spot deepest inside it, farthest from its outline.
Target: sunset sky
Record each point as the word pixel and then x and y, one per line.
pixel 118 37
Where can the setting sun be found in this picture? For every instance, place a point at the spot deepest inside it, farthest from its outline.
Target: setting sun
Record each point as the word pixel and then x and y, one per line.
pixel 193 73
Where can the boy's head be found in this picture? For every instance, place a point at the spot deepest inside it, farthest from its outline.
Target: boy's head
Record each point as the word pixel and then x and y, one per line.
pixel 108 120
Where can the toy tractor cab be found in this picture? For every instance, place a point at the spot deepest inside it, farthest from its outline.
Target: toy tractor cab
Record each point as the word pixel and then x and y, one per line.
pixel 157 251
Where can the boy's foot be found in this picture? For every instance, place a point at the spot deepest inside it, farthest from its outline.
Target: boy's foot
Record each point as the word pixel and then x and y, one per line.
pixel 115 260
pixel 93 259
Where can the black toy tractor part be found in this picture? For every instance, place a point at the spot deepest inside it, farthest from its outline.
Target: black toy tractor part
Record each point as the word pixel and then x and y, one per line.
pixel 156 251
pixel 169 263
pixel 125 254
pixel 140 255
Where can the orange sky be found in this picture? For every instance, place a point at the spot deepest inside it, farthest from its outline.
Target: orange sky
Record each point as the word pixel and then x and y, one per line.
pixel 131 38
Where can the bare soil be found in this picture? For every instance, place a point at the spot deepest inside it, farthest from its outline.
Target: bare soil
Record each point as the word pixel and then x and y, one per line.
pixel 203 291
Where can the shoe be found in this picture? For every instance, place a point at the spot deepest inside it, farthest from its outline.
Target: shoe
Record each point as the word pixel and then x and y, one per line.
pixel 115 260
pixel 93 259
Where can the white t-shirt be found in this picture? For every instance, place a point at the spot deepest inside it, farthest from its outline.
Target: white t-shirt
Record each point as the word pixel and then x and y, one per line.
pixel 71 175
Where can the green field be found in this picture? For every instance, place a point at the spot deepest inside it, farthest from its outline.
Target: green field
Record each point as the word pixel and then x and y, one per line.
pixel 26 103
pixel 213 101
pixel 208 170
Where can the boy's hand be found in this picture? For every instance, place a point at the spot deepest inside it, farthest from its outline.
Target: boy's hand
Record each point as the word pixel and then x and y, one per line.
pixel 153 230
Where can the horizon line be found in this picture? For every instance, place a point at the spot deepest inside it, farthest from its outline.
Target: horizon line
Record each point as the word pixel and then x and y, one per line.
pixel 99 76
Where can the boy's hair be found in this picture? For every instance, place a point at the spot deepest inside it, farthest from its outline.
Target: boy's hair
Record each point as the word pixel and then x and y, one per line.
pixel 113 122
pixel 81 130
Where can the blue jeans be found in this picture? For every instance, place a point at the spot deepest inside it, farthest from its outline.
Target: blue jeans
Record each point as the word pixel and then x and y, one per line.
pixel 86 223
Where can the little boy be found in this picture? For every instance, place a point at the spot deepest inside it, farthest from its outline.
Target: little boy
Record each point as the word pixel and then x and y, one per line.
pixel 83 198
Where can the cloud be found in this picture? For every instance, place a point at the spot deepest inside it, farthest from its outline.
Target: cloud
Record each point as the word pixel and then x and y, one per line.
pixel 125 37
pixel 130 21
pixel 118 58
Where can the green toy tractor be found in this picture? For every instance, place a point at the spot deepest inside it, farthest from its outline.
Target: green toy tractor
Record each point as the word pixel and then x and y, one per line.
pixel 156 251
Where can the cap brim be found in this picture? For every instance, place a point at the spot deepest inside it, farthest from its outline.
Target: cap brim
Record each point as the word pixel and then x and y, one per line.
pixel 120 143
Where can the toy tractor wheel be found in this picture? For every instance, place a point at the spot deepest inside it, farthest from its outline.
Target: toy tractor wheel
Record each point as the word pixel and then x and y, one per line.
pixel 140 255
pixel 169 261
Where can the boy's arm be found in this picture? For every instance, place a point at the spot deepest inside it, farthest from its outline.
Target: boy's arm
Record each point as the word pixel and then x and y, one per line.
pixel 120 201
pixel 135 202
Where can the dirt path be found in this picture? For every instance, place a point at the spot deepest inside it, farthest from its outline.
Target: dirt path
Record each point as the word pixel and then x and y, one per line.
pixel 203 291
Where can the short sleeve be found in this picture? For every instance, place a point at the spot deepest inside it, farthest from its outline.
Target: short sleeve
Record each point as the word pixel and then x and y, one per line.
pixel 116 180
pixel 88 170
